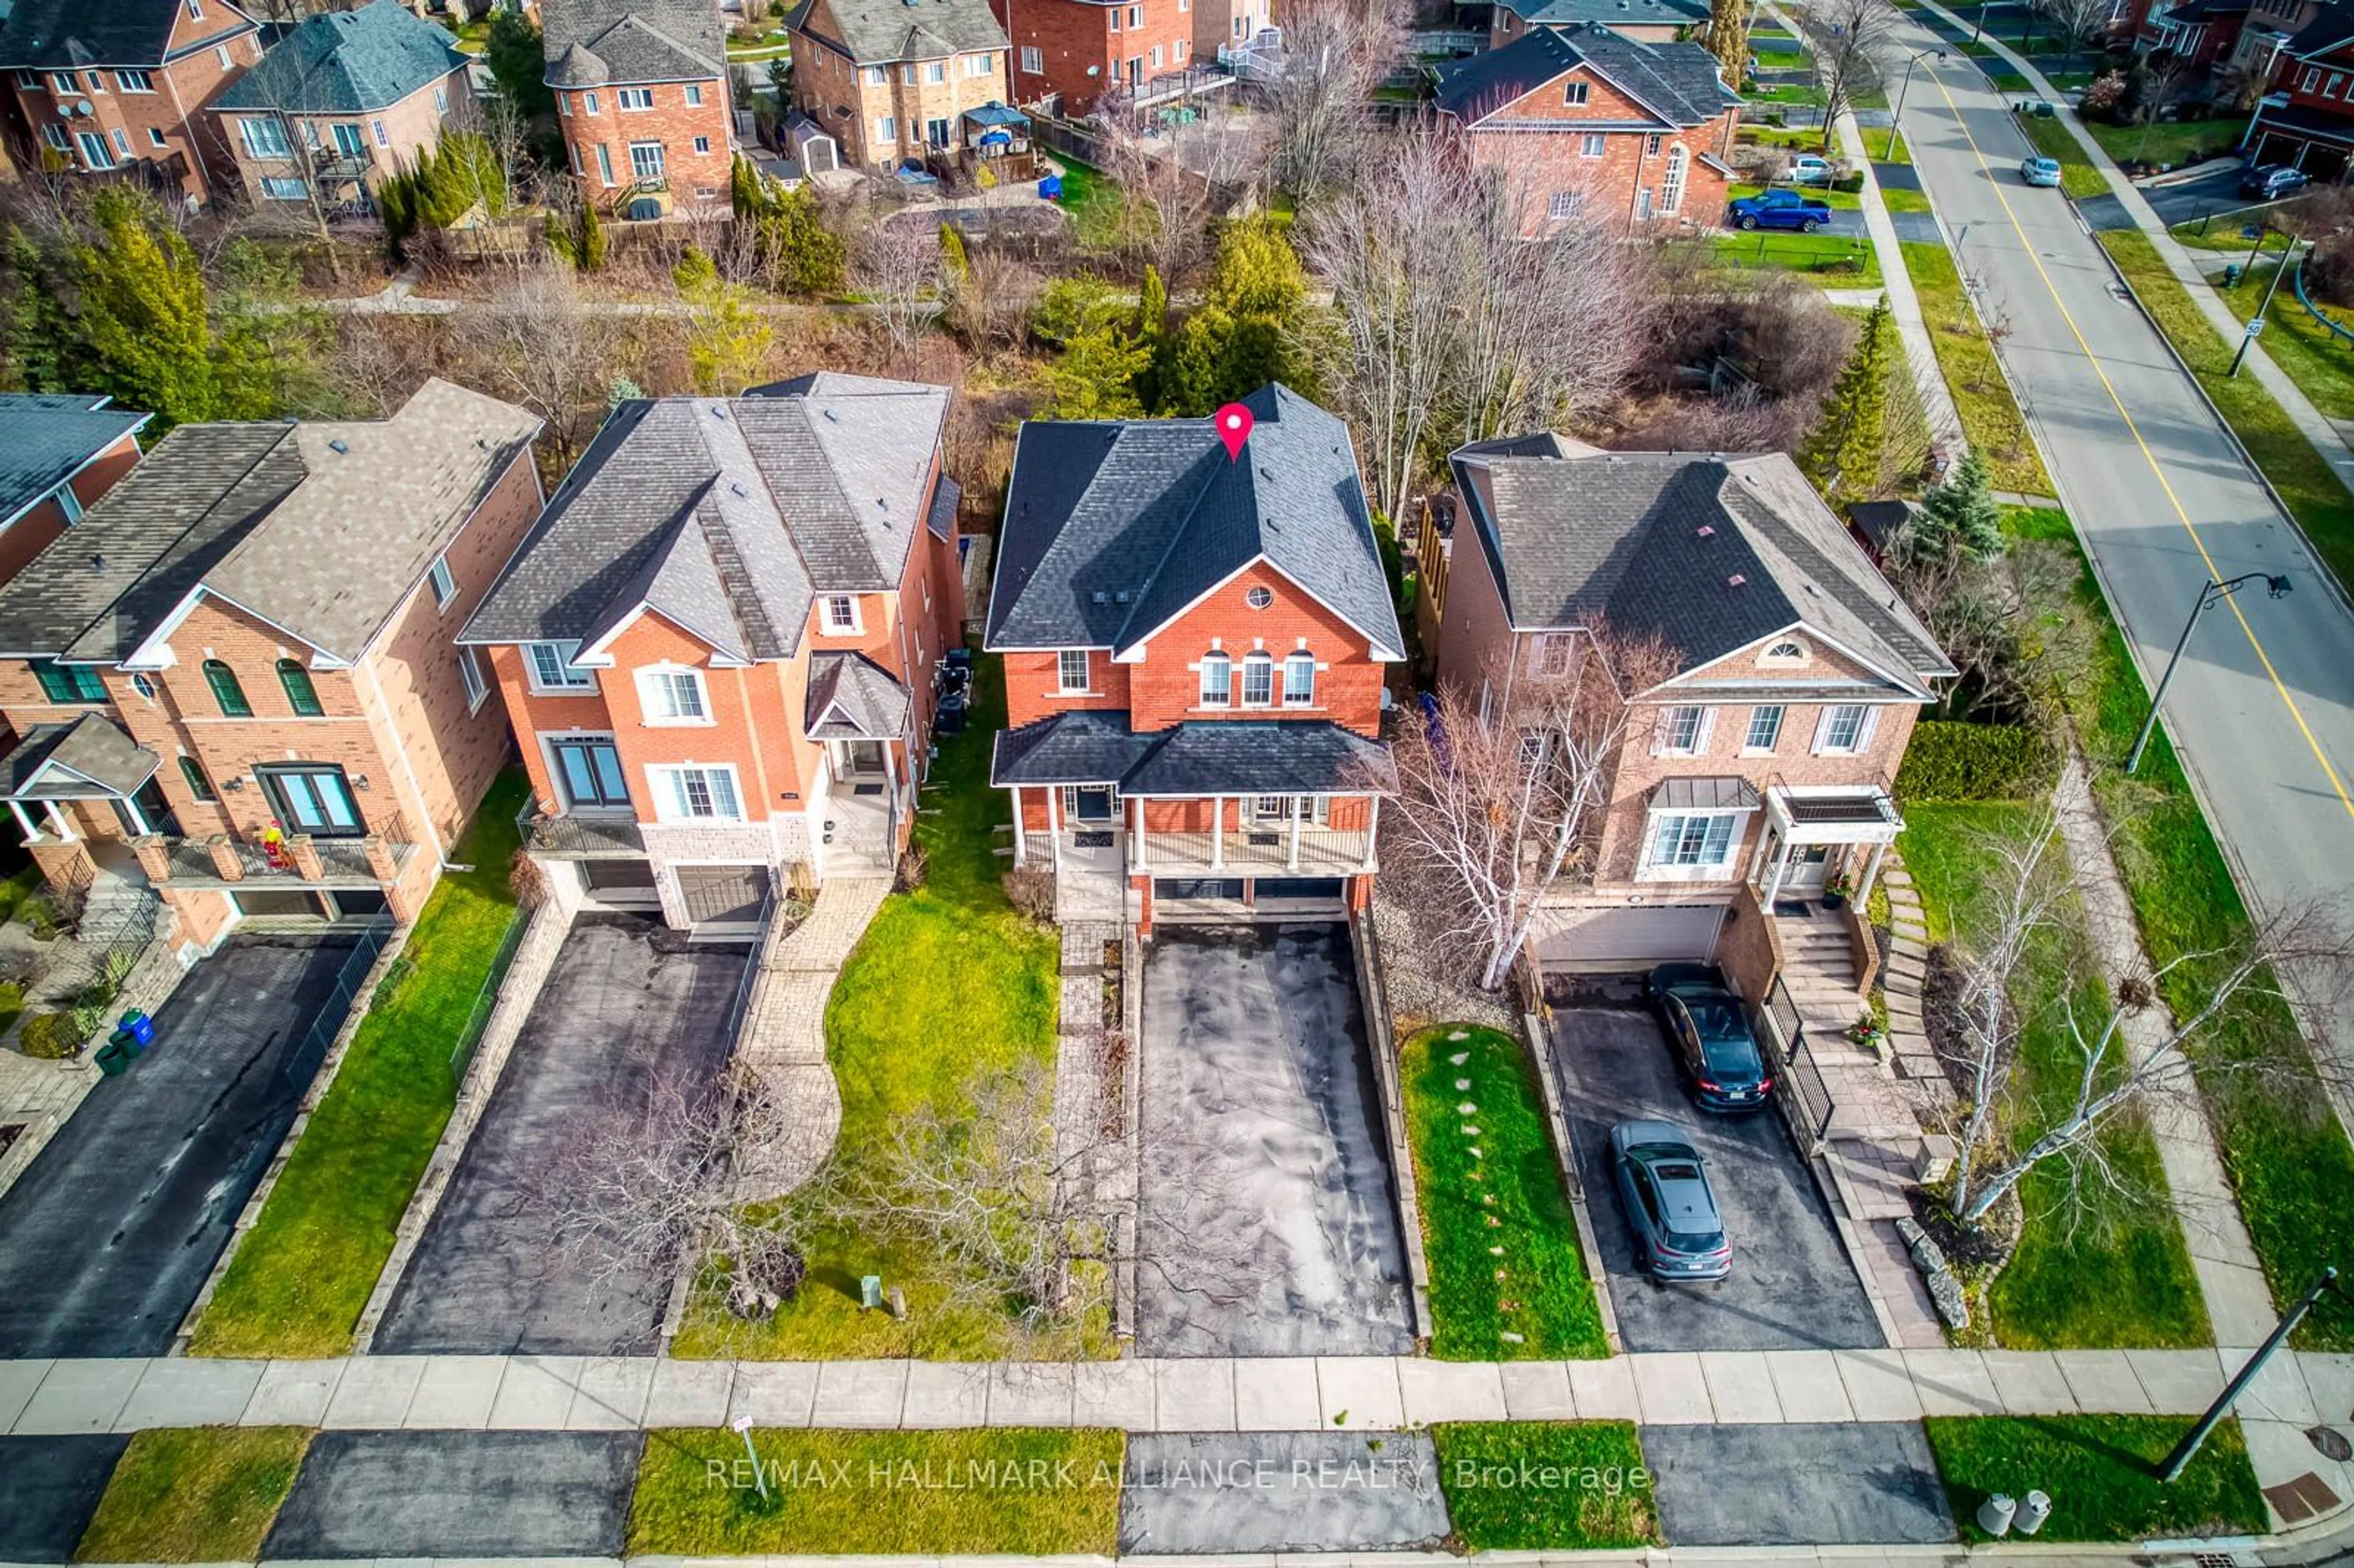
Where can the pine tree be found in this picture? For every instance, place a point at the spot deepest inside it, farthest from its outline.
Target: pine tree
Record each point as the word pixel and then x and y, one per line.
pixel 811 258
pixel 143 314
pixel 955 265
pixel 512 53
pixel 1095 377
pixel 1958 516
pixel 594 242
pixel 1244 334
pixel 45 345
pixel 620 390
pixel 1842 455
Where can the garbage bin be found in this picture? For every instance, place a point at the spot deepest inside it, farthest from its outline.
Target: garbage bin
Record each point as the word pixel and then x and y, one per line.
pixel 112 1059
pixel 125 1042
pixel 139 1027
pixel 2231 275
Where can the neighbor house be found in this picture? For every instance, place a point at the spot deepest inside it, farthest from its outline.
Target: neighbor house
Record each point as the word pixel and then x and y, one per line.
pixel 1085 53
pixel 2271 27
pixel 58 455
pixel 343 102
pixel 111 86
pixel 2308 120
pixel 1644 21
pixel 2200 34
pixel 236 678
pixel 894 81
pixel 719 646
pixel 1759 773
pixel 1194 649
pixel 642 97
pixel 1581 122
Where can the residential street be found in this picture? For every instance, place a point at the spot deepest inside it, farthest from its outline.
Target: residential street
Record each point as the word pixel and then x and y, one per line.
pixel 2263 706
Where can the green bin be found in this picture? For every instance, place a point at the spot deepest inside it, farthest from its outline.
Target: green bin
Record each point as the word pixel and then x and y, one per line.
pixel 112 1059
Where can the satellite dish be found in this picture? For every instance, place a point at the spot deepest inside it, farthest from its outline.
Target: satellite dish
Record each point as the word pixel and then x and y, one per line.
pixel 85 107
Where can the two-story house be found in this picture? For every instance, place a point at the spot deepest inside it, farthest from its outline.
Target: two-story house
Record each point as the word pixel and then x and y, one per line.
pixel 2270 24
pixel 2308 120
pixel 2201 34
pixel 1761 769
pixel 719 645
pixel 1081 51
pixel 110 85
pixel 235 675
pixel 59 453
pixel 1227 25
pixel 894 80
pixel 1583 122
pixel 642 97
pixel 1644 21
pixel 340 103
pixel 1194 647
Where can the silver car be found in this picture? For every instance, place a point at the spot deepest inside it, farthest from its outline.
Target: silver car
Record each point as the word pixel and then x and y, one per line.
pixel 2040 171
pixel 1670 1207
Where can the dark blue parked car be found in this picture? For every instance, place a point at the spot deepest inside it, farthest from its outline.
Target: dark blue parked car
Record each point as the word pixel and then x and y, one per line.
pixel 1778 209
pixel 1709 1032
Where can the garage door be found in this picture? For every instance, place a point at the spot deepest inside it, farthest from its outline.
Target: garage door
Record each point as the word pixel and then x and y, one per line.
pixel 722 894
pixel 1628 936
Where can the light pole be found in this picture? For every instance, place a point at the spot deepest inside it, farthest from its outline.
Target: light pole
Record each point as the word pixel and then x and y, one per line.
pixel 1896 120
pixel 2288 258
pixel 2188 1448
pixel 2214 593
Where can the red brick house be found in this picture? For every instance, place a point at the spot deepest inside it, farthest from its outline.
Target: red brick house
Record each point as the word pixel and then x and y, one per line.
pixel 2200 33
pixel 1080 50
pixel 110 85
pixel 641 97
pixel 234 676
pixel 1646 21
pixel 719 645
pixel 1582 122
pixel 1193 648
pixel 2308 120
pixel 58 455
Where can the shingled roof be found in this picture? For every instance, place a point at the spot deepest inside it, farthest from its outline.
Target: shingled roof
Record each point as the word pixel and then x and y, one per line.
pixel 631 41
pixel 1712 553
pixel 45 439
pixel 1680 84
pixel 727 515
pixel 1610 13
pixel 1188 760
pixel 877 32
pixel 67 33
pixel 1113 528
pixel 347 62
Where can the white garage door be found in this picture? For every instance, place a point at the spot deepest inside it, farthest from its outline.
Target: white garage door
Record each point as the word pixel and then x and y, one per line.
pixel 1632 936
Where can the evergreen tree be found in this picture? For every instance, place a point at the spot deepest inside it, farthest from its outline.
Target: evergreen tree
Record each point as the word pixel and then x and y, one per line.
pixel 146 325
pixel 1150 332
pixel 1958 516
pixel 594 242
pixel 45 345
pixel 1243 335
pixel 512 53
pixel 1070 306
pixel 1095 377
pixel 620 390
pixel 955 265
pixel 1842 456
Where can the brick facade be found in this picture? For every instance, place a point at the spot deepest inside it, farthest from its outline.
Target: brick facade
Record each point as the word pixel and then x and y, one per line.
pixel 390 139
pixel 851 98
pixel 1614 173
pixel 693 139
pixel 1078 50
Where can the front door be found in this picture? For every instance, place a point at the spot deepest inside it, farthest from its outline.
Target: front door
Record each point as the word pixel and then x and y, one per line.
pixel 312 799
pixel 1810 864
pixel 1088 802
pixel 859 758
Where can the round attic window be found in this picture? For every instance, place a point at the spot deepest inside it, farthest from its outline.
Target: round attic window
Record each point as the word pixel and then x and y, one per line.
pixel 1783 650
pixel 1259 597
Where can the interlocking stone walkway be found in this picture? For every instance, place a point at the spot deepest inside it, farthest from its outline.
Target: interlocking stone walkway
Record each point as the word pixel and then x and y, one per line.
pixel 782 1038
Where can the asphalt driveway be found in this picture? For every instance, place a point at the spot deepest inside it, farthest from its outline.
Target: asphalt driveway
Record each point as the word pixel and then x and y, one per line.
pixel 109 1235
pixel 459 1494
pixel 628 1007
pixel 1267 1219
pixel 1791 1288
pixel 49 1489
pixel 1858 1483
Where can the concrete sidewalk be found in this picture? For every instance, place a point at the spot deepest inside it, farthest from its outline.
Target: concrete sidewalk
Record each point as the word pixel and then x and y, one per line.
pixel 1937 409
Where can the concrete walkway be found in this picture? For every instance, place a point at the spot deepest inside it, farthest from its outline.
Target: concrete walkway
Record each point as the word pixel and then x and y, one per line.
pixel 781 1041
pixel 1912 329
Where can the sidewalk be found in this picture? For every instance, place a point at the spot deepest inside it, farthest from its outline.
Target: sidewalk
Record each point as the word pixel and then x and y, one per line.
pixel 1912 329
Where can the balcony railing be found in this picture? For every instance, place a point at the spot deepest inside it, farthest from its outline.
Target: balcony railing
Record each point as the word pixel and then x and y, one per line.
pixel 222 861
pixel 579 838
pixel 1321 852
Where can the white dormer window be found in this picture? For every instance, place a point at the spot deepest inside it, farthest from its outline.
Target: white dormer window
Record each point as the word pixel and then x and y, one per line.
pixel 841 613
pixel 672 697
pixel 552 670
pixel 1071 668
pixel 445 587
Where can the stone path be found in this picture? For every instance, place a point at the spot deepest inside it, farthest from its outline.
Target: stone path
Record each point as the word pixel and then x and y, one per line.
pixel 782 1038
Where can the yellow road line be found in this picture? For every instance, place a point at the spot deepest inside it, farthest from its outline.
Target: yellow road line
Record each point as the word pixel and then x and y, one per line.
pixel 2213 571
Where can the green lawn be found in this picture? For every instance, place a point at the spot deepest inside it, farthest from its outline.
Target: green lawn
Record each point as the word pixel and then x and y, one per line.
pixel 298 1284
pixel 1496 1223
pixel 195 1494
pixel 949 985
pixel 1904 201
pixel 2173 143
pixel 1805 93
pixel 2319 361
pixel 1546 1486
pixel 2221 231
pixel 2127 1239
pixel 2078 178
pixel 1797 139
pixel 1094 200
pixel 1010 1491
pixel 1834 261
pixel 1990 417
pixel 2100 1473
pixel 2008 82
pixel 2319 501
pixel 1885 146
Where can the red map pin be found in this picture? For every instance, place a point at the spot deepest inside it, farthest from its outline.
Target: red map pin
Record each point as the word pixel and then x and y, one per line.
pixel 1233 422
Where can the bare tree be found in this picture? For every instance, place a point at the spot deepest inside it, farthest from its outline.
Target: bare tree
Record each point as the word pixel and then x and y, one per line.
pixel 1335 53
pixel 990 303
pixel 546 347
pixel 1845 36
pixel 898 268
pixel 2080 23
pixel 1173 181
pixel 1504 793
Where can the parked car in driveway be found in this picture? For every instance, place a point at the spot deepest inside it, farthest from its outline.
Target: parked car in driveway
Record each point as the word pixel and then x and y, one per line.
pixel 2040 171
pixel 2270 182
pixel 1807 169
pixel 1708 1031
pixel 1778 209
pixel 1663 1185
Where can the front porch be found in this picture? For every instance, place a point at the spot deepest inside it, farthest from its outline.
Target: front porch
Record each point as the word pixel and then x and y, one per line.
pixel 1823 840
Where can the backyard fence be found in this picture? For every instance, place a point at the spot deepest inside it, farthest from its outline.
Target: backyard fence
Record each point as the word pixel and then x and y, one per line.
pixel 303 1064
pixel 461 1055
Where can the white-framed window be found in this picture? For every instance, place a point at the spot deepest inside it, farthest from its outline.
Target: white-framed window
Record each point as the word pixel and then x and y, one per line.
pixel 2311 79
pixel 874 76
pixel 281 188
pixel 1258 681
pixel 1783 650
pixel 440 100
pixel 383 137
pixel 935 71
pixel 979 65
pixel 1286 809
pixel 1652 144
pixel 263 138
pixel 1217 681
pixel 1071 668
pixel 841 611
pixel 690 793
pixel 695 95
pixel 195 10
pixel 64 84
pixel 1692 842
pixel 672 697
pixel 1300 680
pixel 1135 17
pixel 1115 18
pixel 2330 86
pixel 1683 732
pixel 605 163
pixel 28 80
pixel 886 129
pixel 1764 727
pixel 135 81
pixel 1550 655
pixel 445 587
pixel 228 61
pixel 1593 145
pixel 55 135
pixel 1574 93
pixel 646 161
pixel 589 102
pixel 564 105
pixel 470 676
pixel 702 147
pixel 1156 56
pixel 1033 61
pixel 95 153
pixel 1671 188
pixel 552 670
pixel 633 98
pixel 156 137
pixel 1844 730
pixel 121 140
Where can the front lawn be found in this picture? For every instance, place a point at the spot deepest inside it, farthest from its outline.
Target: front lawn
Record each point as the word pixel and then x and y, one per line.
pixel 2172 144
pixel 1496 1221
pixel 300 1281
pixel 2078 178
pixel 949 985
pixel 2100 1473
pixel 1010 1490
pixel 1834 261
pixel 1546 1486
pixel 1991 416
pixel 2320 362
pixel 1891 147
pixel 195 1494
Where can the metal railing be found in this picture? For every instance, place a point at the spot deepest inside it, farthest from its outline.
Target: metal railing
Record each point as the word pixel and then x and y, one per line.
pixel 304 1064
pixel 583 836
pixel 1808 1098
pixel 486 1000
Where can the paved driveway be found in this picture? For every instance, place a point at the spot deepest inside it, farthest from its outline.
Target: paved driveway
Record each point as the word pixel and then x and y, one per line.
pixel 1791 1288
pixel 106 1239
pixel 1862 1484
pixel 2215 189
pixel 628 1005
pixel 459 1494
pixel 1267 1219
pixel 49 1489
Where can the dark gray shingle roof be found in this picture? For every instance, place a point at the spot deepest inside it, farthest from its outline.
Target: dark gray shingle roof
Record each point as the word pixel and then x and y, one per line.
pixel 851 697
pixel 636 41
pixel 877 31
pixel 347 62
pixel 1610 13
pixel 97 32
pixel 1084 747
pixel 1114 527
pixel 85 758
pixel 1678 82
pixel 45 440
pixel 1233 757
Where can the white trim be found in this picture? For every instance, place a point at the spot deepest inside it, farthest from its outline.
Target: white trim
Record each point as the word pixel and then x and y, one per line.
pixel 471 680
pixel 1134 652
pixel 599 655
pixel 825 624
pixel 654 693
pixel 155 653
pixel 588 688
pixel 661 790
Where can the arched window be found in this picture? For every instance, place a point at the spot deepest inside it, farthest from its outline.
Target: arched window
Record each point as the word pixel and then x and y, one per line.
pixel 198 785
pixel 1672 189
pixel 300 693
pixel 1300 680
pixel 226 691
pixel 1258 680
pixel 1217 681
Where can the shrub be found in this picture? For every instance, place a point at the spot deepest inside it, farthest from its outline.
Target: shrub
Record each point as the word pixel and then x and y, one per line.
pixel 51 1036
pixel 1950 761
pixel 1849 183
pixel 1032 893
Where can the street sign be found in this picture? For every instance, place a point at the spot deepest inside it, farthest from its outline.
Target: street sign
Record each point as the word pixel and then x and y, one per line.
pixel 2256 327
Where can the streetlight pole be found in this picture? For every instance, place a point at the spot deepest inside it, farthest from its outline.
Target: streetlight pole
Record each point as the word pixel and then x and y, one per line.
pixel 1896 120
pixel 2188 1448
pixel 2249 335
pixel 2214 593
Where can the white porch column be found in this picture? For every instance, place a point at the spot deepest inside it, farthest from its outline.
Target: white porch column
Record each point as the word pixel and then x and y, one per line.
pixel 1217 832
pixel 1373 827
pixel 1781 869
pixel 1870 875
pixel 1298 809
pixel 1021 834
pixel 25 821
pixel 63 829
pixel 1054 824
pixel 1142 863
pixel 138 818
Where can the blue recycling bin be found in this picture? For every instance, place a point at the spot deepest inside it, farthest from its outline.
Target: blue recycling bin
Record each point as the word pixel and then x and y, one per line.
pixel 139 1027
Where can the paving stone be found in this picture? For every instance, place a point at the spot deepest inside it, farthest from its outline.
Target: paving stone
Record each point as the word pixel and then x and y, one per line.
pixel 1878 1387
pixel 773 1393
pixel 1193 1396
pixel 1113 1394
pixel 612 1394
pixel 1671 1389
pixel 1450 1391
pixel 2030 1382
pixel 1028 1393
pixel 1952 1382
pixel 190 1391
pixel 1537 1391
pixel 81 1396
pixel 1806 1386
pixel 689 1393
pixel 536 1393
pixel 1740 1386
pixel 18 1382
pixel 861 1394
pixel 1359 1393
pixel 456 1393
pixel 945 1393
pixel 2277 1393
pixel 375 1392
pixel 1278 1394
pixel 1605 1391
pixel 2104 1382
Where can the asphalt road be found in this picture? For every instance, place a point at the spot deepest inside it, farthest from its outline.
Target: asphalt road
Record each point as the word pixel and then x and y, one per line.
pixel 2263 706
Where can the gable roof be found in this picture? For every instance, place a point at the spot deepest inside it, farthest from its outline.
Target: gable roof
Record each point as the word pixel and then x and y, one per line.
pixel 45 439
pixel 321 529
pixel 347 62
pixel 1114 527
pixel 851 697
pixel 2331 28
pixel 728 516
pixel 1609 13
pixel 1680 84
pixel 631 40
pixel 875 32
pixel 43 33
pixel 1712 553
pixel 84 758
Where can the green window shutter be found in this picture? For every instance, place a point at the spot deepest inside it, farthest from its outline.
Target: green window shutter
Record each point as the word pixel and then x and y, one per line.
pixel 226 691
pixel 300 692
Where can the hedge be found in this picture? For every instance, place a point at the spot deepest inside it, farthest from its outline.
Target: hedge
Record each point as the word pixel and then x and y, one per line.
pixel 1950 761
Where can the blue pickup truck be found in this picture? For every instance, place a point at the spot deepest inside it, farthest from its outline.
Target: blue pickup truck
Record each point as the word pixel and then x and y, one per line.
pixel 1778 209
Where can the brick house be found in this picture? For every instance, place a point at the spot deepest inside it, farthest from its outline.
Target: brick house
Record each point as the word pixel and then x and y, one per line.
pixel 1760 770
pixel 2308 120
pixel 719 645
pixel 1582 120
pixel 1077 51
pixel 343 102
pixel 1644 21
pixel 58 455
pixel 2271 26
pixel 234 676
pixel 1193 650
pixel 893 81
pixel 2200 33
pixel 1227 25
pixel 110 85
pixel 641 97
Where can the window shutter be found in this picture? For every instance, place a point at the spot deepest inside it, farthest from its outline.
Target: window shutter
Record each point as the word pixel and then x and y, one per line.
pixel 1822 728
pixel 1863 733
pixel 1707 726
pixel 1662 726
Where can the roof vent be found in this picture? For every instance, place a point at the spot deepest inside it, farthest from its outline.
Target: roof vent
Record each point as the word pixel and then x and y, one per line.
pixel 484 442
pixel 1736 581
pixel 337 445
pixel 830 416
pixel 736 487
pixel 719 410
pixel 1121 596
pixel 1100 596
pixel 97 561
pixel 1707 531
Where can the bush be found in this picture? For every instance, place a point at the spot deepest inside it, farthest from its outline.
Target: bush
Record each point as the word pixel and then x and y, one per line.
pixel 51 1036
pixel 1949 761
pixel 1851 183
pixel 1032 893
